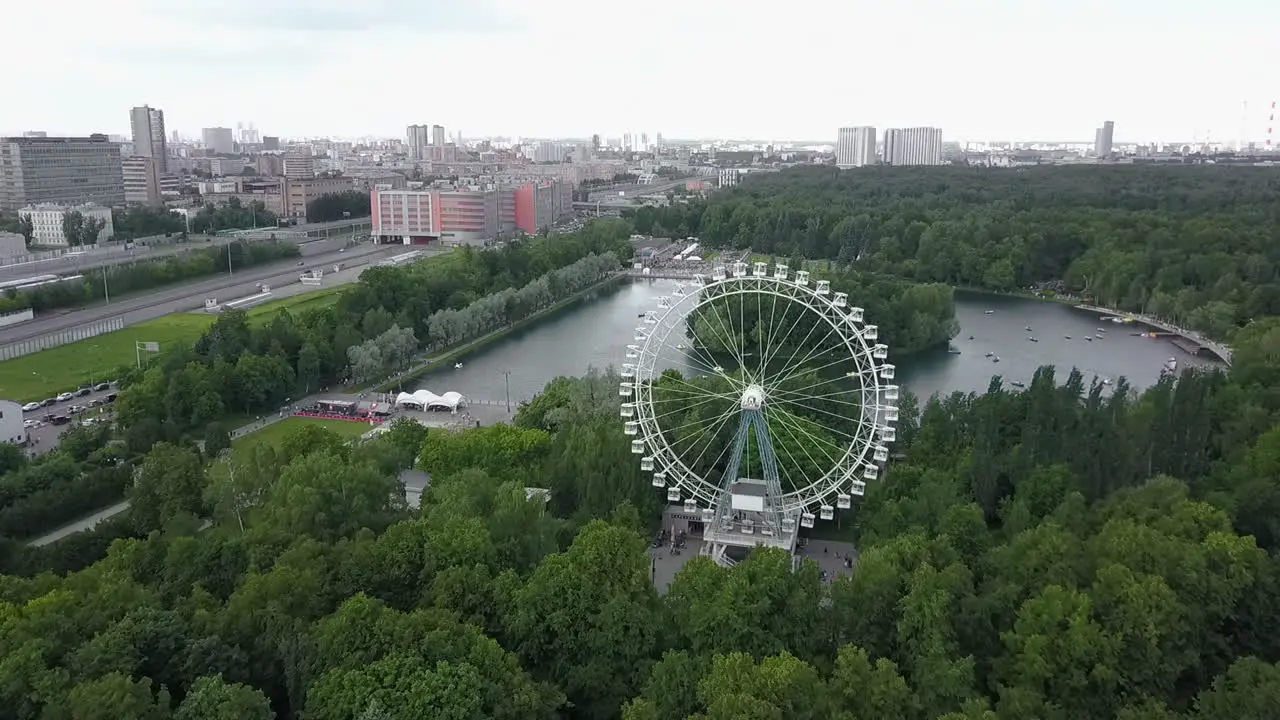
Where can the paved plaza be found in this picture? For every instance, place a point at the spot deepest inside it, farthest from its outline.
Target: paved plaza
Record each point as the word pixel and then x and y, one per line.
pixel 836 559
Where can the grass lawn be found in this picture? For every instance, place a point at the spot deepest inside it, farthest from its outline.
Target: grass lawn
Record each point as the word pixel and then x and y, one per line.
pixel 277 431
pixel 298 303
pixel 44 374
pixel 48 372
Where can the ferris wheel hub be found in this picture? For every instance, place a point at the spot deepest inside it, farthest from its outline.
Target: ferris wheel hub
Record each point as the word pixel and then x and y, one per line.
pixel 753 398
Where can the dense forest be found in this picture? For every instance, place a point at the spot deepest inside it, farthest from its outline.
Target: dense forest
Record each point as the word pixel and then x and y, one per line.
pixel 1067 551
pixel 1198 245
pixel 1061 552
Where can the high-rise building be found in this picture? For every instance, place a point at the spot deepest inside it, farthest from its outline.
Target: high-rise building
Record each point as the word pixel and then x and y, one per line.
pixel 856 146
pixel 218 140
pixel 418 138
pixel 270 143
pixel 141 181
pixel 149 140
pixel 913 146
pixel 437 135
pixel 299 166
pixel 64 170
pixel 1103 138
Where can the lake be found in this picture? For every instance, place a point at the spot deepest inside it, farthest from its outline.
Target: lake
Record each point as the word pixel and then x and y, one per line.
pixel 595 331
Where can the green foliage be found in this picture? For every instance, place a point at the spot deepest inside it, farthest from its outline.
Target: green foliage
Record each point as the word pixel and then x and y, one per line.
pixel 376 326
pixel 336 206
pixel 141 221
pixel 1194 244
pixel 232 215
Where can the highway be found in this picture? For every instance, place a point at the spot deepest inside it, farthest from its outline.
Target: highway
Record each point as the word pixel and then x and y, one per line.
pixel 321 255
pixel 115 254
pixel 635 191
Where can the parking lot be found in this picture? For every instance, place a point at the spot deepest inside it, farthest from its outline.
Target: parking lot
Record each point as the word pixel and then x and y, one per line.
pixel 91 407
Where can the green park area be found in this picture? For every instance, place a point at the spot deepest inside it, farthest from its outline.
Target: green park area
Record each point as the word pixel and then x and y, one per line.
pixel 49 372
pixel 277 431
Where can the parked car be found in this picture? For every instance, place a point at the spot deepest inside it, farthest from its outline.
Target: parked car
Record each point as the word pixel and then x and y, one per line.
pixel 101 386
pixel 84 391
pixel 63 397
pixel 31 407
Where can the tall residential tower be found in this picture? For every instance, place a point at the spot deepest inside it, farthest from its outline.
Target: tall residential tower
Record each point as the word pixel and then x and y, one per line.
pixel 913 146
pixel 856 147
pixel 147 124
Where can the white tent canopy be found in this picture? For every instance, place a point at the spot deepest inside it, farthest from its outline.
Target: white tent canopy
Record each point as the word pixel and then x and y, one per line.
pixel 428 400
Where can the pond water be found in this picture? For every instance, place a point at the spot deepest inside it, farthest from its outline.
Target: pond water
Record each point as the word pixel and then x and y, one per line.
pixel 595 331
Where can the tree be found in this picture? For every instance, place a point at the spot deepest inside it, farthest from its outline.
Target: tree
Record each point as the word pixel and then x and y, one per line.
pixel 170 482
pixel 212 698
pixel 73 224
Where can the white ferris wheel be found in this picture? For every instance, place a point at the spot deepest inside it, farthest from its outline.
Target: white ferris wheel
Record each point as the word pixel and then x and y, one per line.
pixel 760 400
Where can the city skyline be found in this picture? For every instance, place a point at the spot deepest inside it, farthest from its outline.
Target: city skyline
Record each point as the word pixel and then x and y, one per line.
pixel 1014 71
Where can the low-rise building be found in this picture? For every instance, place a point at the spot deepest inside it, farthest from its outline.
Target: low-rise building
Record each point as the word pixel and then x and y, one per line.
pixel 11 428
pixel 466 215
pixel 299 192
pixel 12 245
pixel 46 222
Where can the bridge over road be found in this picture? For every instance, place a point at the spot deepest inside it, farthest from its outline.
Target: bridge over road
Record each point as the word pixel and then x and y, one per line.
pixel 1188 340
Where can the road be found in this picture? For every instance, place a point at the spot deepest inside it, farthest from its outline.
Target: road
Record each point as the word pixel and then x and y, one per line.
pixel 635 191
pixel 81 525
pixel 190 296
pixel 114 254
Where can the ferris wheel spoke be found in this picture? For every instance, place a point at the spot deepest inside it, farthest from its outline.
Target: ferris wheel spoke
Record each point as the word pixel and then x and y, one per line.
pixel 778 422
pixel 768 352
pixel 819 444
pixel 684 410
pixel 713 436
pixel 731 347
pixel 667 382
pixel 788 371
pixel 780 396
pixel 801 345
pixel 861 377
pixel 706 358
pixel 668 386
pixel 694 423
pixel 823 443
pixel 828 428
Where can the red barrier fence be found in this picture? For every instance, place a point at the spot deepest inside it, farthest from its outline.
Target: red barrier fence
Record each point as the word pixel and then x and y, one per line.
pixel 348 418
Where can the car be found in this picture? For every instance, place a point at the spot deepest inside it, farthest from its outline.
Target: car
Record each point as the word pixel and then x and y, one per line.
pixel 77 409
pixel 63 397
pixel 84 391
pixel 31 407
pixel 28 424
pixel 101 386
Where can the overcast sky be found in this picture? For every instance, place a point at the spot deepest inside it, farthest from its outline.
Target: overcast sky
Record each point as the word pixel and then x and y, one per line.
pixel 979 69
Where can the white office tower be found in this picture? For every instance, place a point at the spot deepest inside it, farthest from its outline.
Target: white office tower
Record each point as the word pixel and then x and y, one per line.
pixel 913 146
pixel 856 147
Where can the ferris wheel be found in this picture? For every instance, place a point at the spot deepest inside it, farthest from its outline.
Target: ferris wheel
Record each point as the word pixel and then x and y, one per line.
pixel 760 400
